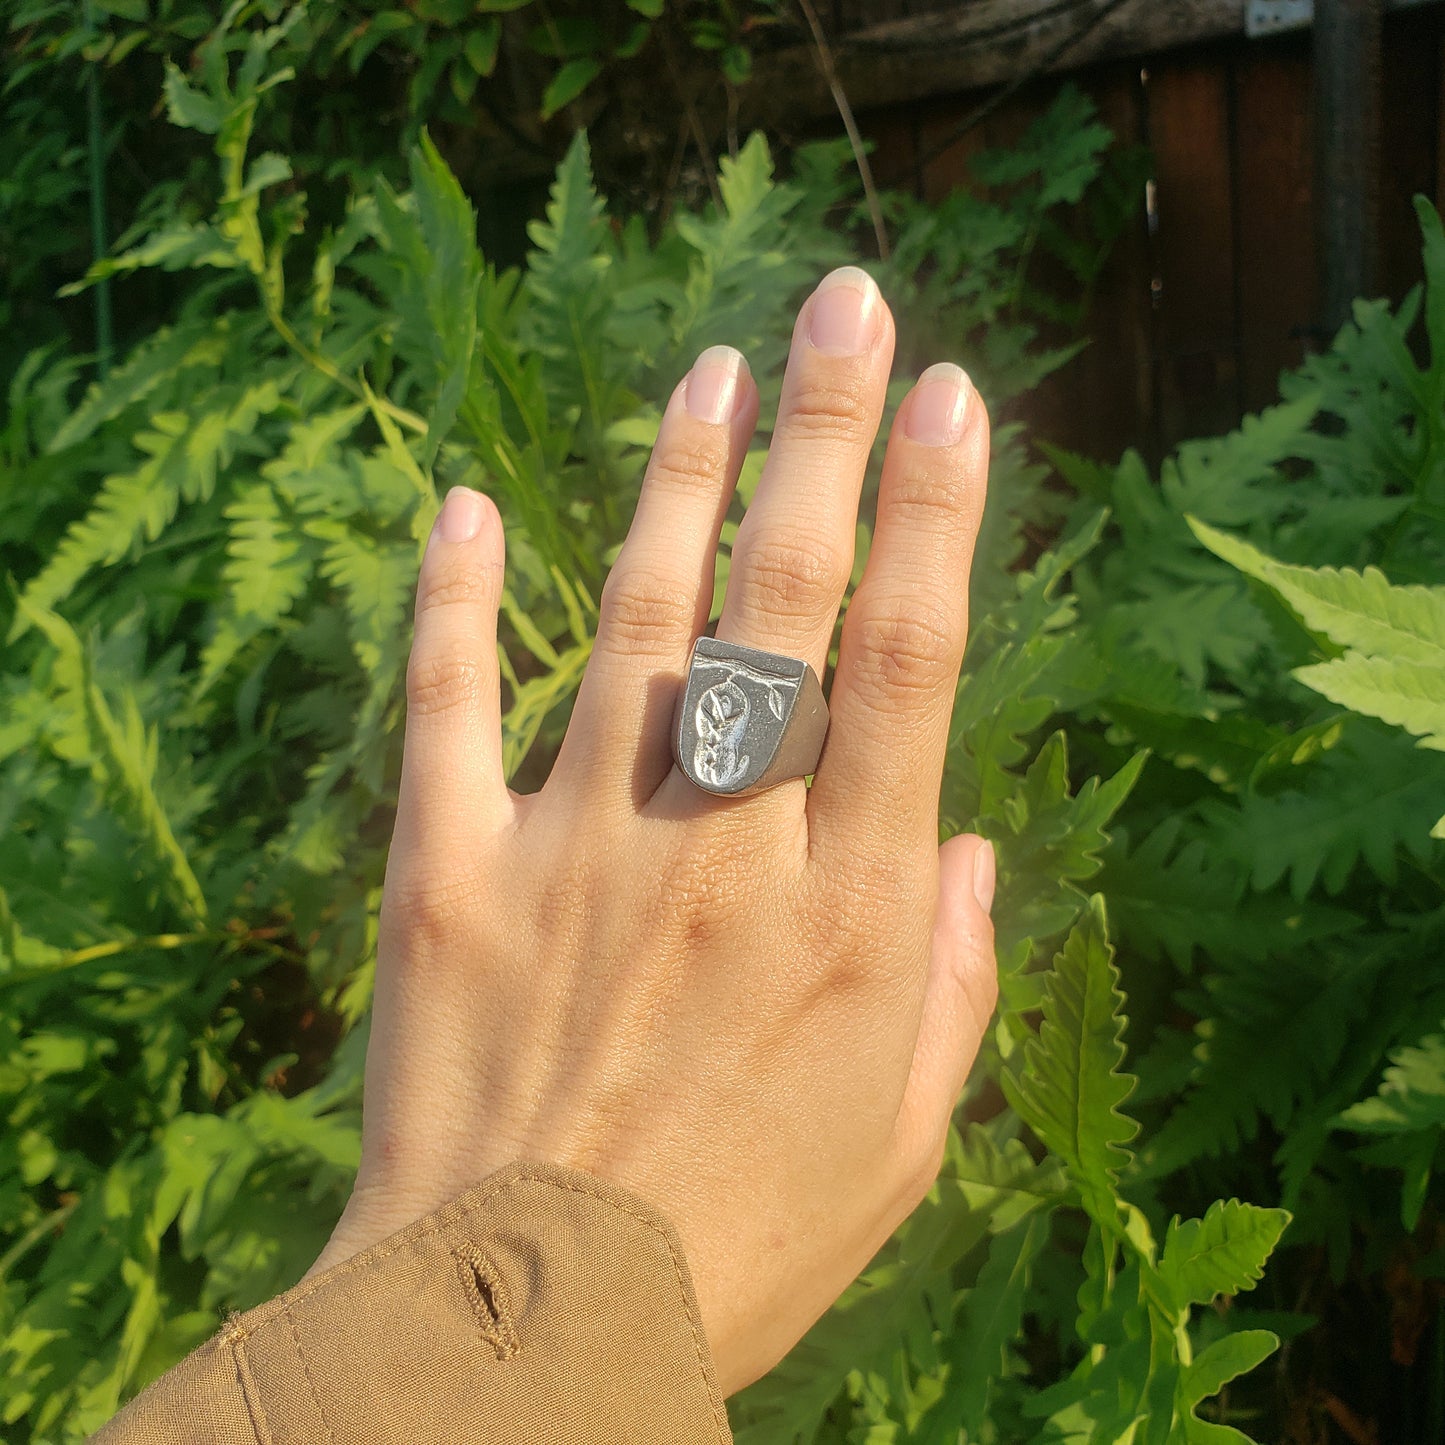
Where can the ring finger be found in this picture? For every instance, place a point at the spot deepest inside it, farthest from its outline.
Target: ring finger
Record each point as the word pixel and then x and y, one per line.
pixel 660 589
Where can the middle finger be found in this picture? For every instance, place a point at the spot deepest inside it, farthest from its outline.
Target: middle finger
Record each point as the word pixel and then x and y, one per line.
pixel 794 548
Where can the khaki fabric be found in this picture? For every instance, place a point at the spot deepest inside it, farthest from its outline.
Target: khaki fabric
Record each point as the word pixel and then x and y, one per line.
pixel 545 1305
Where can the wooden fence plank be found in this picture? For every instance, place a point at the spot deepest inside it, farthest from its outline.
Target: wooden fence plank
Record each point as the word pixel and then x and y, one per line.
pixel 1274 230
pixel 1196 358
pixel 1230 127
pixel 1102 401
pixel 953 47
pixel 1409 132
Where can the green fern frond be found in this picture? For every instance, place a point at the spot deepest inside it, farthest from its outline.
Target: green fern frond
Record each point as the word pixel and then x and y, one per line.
pixel 184 452
pixel 1359 610
pixel 269 563
pixel 1400 691
pixel 124 754
pixel 1221 1254
pixel 1067 1086
pixel 1372 798
pixel 1411 1096
pixel 1270 1037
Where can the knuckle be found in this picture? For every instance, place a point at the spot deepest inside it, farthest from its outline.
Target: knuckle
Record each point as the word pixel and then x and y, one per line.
pixel 467 586
pixel 795 576
pixel 439 683
pixel 905 651
pixel 942 499
pixel 428 912
pixel 644 613
pixel 847 919
pixel 829 410
pixel 691 470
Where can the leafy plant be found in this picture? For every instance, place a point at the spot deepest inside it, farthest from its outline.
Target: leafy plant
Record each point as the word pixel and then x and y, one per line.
pixel 1205 784
pixel 213 552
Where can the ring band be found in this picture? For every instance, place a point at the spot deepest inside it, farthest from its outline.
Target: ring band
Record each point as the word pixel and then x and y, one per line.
pixel 747 720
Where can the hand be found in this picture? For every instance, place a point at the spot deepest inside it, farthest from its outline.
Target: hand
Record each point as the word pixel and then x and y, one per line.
pixel 757 1013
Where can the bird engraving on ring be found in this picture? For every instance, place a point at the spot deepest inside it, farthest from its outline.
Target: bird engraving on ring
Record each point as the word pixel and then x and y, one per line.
pixel 721 720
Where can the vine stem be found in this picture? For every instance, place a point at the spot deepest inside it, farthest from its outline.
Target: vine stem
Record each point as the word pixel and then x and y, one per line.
pixel 409 419
pixel 104 333
pixel 845 112
pixel 33 1236
pixel 262 938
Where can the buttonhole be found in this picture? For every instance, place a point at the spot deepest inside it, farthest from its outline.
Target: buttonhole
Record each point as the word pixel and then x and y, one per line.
pixel 487 1293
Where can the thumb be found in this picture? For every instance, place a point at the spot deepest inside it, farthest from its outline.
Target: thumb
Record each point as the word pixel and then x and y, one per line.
pixel 959 996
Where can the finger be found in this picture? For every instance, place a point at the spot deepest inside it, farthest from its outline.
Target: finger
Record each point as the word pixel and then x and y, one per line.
pixel 794 550
pixel 959 997
pixel 904 635
pixel 451 771
pixel 659 592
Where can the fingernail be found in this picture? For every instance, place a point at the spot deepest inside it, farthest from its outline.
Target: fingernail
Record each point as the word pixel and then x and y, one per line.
pixel 712 387
pixel 460 518
pixel 844 315
pixel 938 405
pixel 985 875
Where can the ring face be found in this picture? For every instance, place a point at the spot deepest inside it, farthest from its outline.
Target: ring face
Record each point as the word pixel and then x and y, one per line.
pixel 747 719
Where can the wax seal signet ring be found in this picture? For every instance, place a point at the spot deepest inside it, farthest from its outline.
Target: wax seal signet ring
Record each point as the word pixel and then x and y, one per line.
pixel 747 720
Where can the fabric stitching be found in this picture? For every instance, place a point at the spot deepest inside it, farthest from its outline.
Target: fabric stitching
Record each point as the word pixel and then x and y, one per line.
pixel 497 1323
pixel 306 1370
pixel 250 1394
pixel 452 1214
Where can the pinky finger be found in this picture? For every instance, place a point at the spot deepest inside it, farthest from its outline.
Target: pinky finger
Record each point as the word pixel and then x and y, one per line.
pixel 959 999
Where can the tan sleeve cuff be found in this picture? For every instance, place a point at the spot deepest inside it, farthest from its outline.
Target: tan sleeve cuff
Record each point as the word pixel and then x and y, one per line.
pixel 543 1305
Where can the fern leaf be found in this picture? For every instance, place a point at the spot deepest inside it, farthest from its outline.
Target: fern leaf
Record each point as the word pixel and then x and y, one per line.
pixel 1408 1116
pixel 151 366
pixel 433 238
pixel 1186 901
pixel 738 273
pixel 1270 1036
pixel 1051 840
pixel 571 257
pixel 1372 798
pixel 1211 1370
pixel 535 699
pixel 1221 1254
pixel 1359 610
pixel 124 753
pixel 268 565
pixel 1069 1087
pixel 376 579
pixel 988 1322
pixel 184 452
pixel 1411 1096
pixel 1397 690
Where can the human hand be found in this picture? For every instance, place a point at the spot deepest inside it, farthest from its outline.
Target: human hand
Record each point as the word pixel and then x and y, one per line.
pixel 757 1013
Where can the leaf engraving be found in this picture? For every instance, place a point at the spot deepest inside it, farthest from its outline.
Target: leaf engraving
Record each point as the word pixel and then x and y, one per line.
pixel 722 723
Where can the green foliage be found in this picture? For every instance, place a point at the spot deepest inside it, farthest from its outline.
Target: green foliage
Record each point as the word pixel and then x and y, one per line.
pixel 446 47
pixel 1393 663
pixel 1194 715
pixel 200 712
pixel 1281 858
pixel 1067 1087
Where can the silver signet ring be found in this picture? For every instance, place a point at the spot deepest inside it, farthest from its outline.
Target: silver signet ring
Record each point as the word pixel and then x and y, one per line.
pixel 748 720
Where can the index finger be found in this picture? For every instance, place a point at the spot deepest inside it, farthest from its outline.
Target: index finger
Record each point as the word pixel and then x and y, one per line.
pixel 904 634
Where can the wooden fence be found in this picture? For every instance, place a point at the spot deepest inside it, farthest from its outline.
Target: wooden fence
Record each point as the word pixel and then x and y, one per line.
pixel 1206 300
